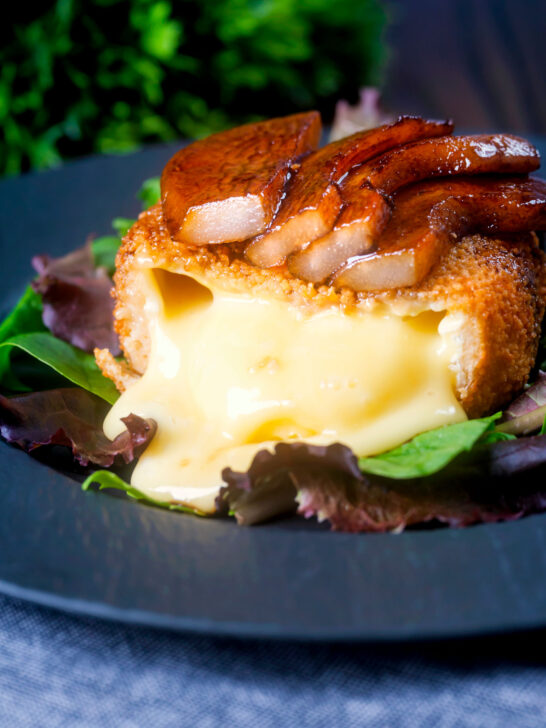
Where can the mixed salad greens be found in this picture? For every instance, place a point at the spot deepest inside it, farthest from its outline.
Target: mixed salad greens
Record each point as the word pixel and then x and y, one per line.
pixel 53 393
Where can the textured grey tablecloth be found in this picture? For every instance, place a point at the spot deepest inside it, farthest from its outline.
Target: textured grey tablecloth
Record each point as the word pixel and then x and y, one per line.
pixel 60 670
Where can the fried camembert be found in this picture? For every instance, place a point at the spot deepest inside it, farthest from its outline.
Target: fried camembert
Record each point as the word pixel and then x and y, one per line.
pixel 380 286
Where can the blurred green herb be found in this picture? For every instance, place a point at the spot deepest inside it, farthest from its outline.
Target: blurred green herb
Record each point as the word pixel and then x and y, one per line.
pixel 106 247
pixel 109 75
pixel 150 192
pixel 122 225
pixel 104 251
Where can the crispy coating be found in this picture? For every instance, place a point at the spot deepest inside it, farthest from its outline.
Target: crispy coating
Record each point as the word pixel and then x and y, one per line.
pixel 493 290
pixel 118 371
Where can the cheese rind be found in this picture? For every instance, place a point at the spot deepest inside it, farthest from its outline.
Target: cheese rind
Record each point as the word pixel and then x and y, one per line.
pixel 229 374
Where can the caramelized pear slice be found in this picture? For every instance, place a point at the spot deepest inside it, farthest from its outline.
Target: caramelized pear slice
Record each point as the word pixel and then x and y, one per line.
pixel 354 232
pixel 429 216
pixel 364 215
pixel 313 201
pixel 227 187
pixel 446 156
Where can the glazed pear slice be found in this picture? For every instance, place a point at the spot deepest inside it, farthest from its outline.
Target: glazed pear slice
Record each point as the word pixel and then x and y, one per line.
pixel 446 156
pixel 313 201
pixel 431 215
pixel 364 212
pixel 355 232
pixel 227 187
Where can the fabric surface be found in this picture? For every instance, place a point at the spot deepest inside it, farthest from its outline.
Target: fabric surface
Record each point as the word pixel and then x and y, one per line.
pixel 61 670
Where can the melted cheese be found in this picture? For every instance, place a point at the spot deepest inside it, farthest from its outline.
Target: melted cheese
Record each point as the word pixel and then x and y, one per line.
pixel 230 374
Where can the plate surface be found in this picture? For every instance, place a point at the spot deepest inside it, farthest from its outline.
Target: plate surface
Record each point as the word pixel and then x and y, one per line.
pixel 98 554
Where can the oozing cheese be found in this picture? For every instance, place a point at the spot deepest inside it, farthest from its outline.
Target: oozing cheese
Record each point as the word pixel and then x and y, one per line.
pixel 230 374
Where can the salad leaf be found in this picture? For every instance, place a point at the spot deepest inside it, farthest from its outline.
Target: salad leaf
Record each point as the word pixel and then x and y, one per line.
pixel 106 479
pixel 527 413
pixel 379 504
pixel 531 399
pixel 122 225
pixel 516 456
pixel 150 192
pixel 455 479
pixel 25 317
pixel 430 451
pixel 104 251
pixel 484 485
pixel 526 423
pixel 267 488
pixel 77 301
pixel 105 248
pixel 366 114
pixel 76 365
pixel 74 418
pixel 477 486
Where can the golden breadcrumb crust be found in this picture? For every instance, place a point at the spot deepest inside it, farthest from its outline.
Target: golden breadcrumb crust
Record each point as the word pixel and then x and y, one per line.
pixel 118 371
pixel 493 290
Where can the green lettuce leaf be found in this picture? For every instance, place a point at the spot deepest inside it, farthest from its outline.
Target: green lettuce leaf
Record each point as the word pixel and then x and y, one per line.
pixel 74 364
pixel 122 225
pixel 104 251
pixel 150 192
pixel 106 247
pixel 107 479
pixel 431 451
pixel 25 317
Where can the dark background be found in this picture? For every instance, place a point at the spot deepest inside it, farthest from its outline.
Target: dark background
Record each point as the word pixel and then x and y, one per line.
pixel 481 62
pixel 94 76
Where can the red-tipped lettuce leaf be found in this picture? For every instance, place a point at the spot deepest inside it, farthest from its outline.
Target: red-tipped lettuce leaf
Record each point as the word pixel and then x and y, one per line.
pixel 73 418
pixel 513 457
pixel 527 413
pixel 392 505
pixel 476 487
pixel 531 399
pixel 366 114
pixel 77 301
pixel 267 489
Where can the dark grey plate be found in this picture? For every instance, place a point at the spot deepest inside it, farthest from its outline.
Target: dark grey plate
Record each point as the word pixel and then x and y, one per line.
pixel 98 554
